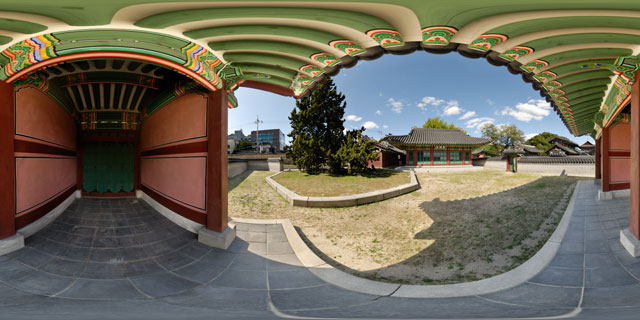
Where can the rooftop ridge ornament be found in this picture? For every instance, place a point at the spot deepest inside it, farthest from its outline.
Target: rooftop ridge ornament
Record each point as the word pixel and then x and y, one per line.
pixel 201 61
pixel 438 35
pixel 385 37
pixel 516 53
pixel 29 52
pixel 349 47
pixel 487 41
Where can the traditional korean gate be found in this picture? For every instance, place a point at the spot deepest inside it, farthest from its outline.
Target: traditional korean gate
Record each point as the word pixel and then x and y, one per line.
pixel 108 167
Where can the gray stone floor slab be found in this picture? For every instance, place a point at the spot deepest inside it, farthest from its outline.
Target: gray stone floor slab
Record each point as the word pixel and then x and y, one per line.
pixel 560 277
pixel 538 295
pixel 118 258
pixel 294 278
pixel 102 290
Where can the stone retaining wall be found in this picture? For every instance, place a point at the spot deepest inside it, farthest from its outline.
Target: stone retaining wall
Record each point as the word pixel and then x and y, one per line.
pixel 549 169
pixel 238 166
pixel 343 201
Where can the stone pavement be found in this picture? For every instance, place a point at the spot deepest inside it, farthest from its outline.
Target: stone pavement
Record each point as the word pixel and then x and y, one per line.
pixel 119 259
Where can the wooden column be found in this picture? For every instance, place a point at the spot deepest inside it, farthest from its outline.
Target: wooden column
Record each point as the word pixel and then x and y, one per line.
pixel 598 164
pixel 217 174
pixel 79 163
pixel 634 219
pixel 604 156
pixel 448 156
pixel 7 162
pixel 136 163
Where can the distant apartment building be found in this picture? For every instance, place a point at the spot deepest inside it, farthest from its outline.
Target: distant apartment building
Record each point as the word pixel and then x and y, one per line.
pixel 238 136
pixel 274 138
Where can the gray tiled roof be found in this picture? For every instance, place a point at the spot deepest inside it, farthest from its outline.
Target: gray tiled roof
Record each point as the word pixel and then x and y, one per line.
pixel 420 136
pixel 565 139
pixel 563 148
pixel 388 146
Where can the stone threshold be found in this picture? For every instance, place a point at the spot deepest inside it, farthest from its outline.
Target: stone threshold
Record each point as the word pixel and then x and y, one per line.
pixel 504 281
pixel 343 201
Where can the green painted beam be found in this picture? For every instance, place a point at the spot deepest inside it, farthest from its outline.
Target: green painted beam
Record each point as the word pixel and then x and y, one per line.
pixel 590 75
pixel 545 24
pixel 351 19
pixel 274 80
pixel 276 60
pixel 585 84
pixel 21 26
pixel 267 69
pixel 588 97
pixel 274 46
pixel 585 54
pixel 580 38
pixel 262 30
pixel 577 66
pixel 584 92
pixel 5 40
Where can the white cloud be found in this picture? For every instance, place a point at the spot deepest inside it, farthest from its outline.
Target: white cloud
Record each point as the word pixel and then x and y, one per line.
pixel 467 115
pixel 385 126
pixel 479 122
pixel 529 135
pixel 396 106
pixel 429 101
pixel 527 111
pixel 353 117
pixel 490 102
pixel 378 112
pixel 370 125
pixel 452 108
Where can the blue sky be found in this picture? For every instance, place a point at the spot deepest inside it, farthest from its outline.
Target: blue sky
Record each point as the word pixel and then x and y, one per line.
pixel 396 92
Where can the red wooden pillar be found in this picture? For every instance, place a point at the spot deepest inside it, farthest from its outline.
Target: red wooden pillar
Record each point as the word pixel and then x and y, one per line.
pixel 7 162
pixel 634 219
pixel 431 155
pixel 604 157
pixel 598 164
pixel 217 174
pixel 448 157
pixel 79 157
pixel 136 163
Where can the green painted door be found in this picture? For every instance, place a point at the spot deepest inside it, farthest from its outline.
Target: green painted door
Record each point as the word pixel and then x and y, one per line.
pixel 107 167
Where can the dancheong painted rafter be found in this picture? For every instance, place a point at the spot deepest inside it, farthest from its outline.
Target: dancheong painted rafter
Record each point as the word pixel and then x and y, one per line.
pixel 572 52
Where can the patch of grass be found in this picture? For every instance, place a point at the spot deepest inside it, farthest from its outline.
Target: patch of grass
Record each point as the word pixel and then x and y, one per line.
pixel 326 185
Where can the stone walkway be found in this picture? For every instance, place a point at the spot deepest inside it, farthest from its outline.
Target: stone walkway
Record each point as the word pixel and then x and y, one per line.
pixel 118 258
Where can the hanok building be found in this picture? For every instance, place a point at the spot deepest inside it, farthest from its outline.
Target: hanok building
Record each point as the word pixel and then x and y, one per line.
pixel 527 150
pixel 388 156
pixel 588 148
pixel 436 147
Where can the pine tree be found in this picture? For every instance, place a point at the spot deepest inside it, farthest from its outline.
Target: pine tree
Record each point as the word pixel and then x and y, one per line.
pixel 317 129
pixel 357 151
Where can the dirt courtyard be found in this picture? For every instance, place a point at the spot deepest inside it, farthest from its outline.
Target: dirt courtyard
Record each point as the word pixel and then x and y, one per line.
pixel 458 227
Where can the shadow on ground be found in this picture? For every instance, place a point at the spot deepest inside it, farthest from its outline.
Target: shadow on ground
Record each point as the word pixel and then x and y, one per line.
pixel 491 234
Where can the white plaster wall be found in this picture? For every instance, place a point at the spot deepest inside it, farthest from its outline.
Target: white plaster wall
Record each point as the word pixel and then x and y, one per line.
pixel 581 170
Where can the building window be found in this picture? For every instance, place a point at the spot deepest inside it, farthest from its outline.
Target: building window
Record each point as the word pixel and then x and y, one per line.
pixel 423 157
pixel 455 157
pixel 265 137
pixel 439 157
pixel 467 156
pixel 410 156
